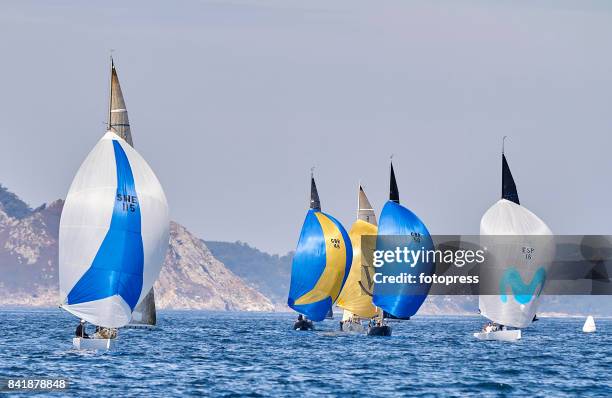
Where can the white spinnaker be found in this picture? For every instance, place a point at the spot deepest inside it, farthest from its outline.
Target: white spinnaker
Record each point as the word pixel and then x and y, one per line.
pixel 86 219
pixel 516 228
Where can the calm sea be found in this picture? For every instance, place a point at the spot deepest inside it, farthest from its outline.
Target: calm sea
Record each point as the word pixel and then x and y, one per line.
pixel 255 354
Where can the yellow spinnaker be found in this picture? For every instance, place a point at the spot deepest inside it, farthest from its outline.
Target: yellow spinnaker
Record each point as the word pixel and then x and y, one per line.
pixel 330 282
pixel 352 297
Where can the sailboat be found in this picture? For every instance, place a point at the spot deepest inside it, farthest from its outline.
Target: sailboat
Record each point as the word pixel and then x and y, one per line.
pixel 113 236
pixel 144 314
pixel 400 228
pixel 520 250
pixel 321 264
pixel 355 298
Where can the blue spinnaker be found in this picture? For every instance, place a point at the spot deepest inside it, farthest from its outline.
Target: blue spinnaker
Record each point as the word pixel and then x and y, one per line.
pixel 399 228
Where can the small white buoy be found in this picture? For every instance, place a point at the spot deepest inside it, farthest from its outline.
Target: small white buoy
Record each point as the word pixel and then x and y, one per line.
pixel 589 325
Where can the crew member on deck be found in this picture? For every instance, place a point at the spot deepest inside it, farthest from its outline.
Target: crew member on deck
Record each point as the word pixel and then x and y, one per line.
pixel 80 330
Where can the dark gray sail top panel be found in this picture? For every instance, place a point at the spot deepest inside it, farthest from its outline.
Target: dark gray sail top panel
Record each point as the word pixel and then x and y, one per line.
pixel 508 186
pixel 144 313
pixel 118 120
pixel 365 211
pixel 393 191
pixel 315 204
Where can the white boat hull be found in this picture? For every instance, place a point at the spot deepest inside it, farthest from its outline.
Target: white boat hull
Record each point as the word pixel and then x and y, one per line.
pixel 93 344
pixel 138 326
pixel 502 335
pixel 352 327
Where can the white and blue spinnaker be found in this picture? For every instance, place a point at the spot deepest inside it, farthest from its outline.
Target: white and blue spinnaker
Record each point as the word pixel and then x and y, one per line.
pixel 113 234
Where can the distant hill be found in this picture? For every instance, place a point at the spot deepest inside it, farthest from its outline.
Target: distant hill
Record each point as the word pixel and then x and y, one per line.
pixel 268 273
pixel 196 274
pixel 191 277
pixel 271 275
pixel 12 205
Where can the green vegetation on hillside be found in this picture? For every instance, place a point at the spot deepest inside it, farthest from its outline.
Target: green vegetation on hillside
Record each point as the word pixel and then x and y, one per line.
pixel 12 205
pixel 270 274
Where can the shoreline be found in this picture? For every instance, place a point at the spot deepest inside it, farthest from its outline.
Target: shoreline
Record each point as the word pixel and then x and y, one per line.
pixel 544 315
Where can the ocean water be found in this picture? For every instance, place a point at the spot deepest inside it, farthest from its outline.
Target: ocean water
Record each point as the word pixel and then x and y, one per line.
pixel 255 354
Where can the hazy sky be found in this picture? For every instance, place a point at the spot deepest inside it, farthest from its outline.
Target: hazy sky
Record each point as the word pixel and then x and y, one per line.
pixel 232 102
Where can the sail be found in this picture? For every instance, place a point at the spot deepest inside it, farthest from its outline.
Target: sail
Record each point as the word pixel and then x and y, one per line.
pixel 508 186
pixel 118 121
pixel 145 313
pixel 113 234
pixel 386 315
pixel 589 325
pixel 509 231
pixel 346 315
pixel 315 203
pixel 399 227
pixel 321 264
pixel 506 229
pixel 393 190
pixel 353 297
pixel 365 211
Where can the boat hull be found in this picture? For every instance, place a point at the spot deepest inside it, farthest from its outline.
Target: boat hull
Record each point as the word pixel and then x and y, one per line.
pixel 93 344
pixel 139 326
pixel 352 327
pixel 303 325
pixel 502 335
pixel 379 330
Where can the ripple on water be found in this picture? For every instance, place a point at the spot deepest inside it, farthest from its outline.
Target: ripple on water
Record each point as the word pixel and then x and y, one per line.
pixel 231 354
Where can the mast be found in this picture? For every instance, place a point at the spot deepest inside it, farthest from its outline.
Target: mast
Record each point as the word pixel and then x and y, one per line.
pixel 110 92
pixel 358 198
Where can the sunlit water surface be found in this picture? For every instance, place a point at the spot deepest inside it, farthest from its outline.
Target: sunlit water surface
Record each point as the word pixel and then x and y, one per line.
pixel 258 354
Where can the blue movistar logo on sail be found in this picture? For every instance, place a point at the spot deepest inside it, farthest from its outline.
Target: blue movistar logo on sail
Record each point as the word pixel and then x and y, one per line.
pixel 523 293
